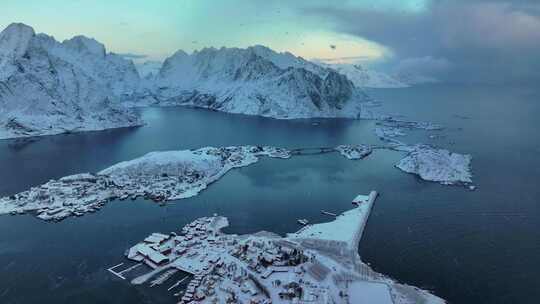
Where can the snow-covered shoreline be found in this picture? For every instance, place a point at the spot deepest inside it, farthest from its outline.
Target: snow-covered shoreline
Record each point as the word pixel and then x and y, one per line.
pixel 7 135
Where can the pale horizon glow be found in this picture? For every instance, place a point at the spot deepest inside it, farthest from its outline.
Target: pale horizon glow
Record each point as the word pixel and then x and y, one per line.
pixel 156 31
pixel 486 41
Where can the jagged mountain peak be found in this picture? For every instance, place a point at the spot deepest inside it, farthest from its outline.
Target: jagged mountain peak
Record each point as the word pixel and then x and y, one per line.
pixel 179 54
pixel 15 38
pixel 256 81
pixel 287 59
pixel 85 44
pixel 18 30
pixel 227 60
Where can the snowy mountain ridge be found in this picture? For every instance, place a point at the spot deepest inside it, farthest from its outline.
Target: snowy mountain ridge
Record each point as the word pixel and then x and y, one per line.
pixel 51 87
pixel 253 81
pixel 48 87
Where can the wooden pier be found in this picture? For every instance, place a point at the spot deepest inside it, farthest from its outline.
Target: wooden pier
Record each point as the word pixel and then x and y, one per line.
pixel 177 283
pixel 120 273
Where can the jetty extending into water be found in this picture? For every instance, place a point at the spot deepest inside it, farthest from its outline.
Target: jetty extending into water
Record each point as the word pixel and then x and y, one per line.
pixel 344 232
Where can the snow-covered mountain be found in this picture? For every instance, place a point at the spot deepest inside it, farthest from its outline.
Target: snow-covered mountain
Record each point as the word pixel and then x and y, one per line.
pixel 48 87
pixel 253 81
pixel 366 78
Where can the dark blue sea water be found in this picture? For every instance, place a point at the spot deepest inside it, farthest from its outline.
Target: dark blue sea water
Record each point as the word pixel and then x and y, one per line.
pixel 467 247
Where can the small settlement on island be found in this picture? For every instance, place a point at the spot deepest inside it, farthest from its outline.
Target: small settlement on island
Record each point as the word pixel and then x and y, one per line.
pixel 317 264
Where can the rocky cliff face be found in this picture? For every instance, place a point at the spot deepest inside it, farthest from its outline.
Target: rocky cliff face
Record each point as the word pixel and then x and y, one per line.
pixel 48 87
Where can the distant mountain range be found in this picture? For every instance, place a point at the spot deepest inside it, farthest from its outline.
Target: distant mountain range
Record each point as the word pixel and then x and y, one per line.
pixel 253 81
pixel 50 87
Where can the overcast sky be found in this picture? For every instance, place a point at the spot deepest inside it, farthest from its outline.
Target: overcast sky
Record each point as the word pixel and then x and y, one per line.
pixel 453 40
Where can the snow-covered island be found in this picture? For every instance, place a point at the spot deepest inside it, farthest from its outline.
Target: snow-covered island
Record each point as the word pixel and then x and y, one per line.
pixel 174 175
pixel 159 176
pixel 48 87
pixel 318 264
pixel 438 165
pixel 428 162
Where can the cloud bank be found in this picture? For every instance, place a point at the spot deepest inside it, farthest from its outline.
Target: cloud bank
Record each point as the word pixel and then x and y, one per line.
pixel 457 41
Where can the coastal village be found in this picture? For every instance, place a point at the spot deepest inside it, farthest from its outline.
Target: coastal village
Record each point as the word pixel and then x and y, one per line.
pixel 156 176
pixel 317 264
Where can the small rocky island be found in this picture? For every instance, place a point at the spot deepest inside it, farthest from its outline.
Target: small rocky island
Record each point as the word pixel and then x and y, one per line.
pixel 438 165
pixel 318 264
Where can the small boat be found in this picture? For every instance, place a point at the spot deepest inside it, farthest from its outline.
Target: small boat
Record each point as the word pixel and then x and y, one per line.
pixel 303 222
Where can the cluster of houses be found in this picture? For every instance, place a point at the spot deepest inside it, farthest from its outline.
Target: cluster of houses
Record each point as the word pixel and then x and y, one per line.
pixel 83 193
pixel 58 199
pixel 78 194
pixel 318 266
pixel 230 268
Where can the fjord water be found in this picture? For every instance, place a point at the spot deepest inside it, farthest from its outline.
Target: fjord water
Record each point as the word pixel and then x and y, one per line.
pixel 467 247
